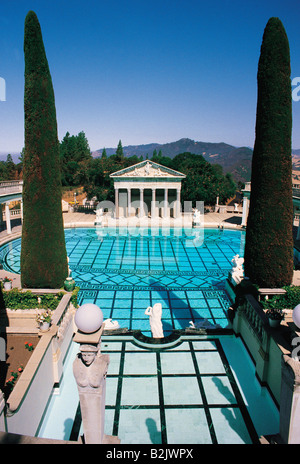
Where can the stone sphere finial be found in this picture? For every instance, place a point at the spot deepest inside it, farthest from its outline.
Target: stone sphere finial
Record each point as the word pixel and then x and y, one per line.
pixel 296 315
pixel 88 318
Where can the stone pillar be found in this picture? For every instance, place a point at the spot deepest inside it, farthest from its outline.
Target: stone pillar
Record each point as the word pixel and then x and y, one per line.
pixel 290 401
pixel 7 217
pixel 177 214
pixel 117 202
pixel 21 207
pixel 153 203
pixel 245 211
pixel 166 203
pixel 128 202
pixel 141 203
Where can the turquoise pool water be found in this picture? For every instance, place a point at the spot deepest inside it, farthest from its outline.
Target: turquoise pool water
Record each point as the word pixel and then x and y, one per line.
pixel 126 270
pixel 197 389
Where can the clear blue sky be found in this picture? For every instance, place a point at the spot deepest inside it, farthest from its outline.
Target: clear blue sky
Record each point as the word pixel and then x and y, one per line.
pixel 145 71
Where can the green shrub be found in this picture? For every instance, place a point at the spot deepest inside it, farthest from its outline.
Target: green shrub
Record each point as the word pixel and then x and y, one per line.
pixel 17 299
pixel 287 301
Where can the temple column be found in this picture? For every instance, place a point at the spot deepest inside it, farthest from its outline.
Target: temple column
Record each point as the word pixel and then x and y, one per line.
pixel 117 202
pixel 153 212
pixel 166 203
pixel 245 211
pixel 129 202
pixel 21 208
pixel 177 213
pixel 7 217
pixel 141 203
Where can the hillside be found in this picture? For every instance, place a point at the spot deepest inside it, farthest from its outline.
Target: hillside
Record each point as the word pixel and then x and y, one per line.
pixel 235 160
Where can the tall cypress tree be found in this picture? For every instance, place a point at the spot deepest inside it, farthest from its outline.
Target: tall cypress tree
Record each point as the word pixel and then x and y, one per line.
pixel 43 249
pixel 269 239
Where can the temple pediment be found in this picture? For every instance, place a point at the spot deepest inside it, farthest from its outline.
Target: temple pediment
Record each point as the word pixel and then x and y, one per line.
pixel 147 169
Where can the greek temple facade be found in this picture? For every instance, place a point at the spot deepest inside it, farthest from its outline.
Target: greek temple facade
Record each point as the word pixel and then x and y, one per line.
pixel 147 189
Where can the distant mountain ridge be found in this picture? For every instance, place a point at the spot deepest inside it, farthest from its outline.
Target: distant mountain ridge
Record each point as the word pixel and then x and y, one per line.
pixel 236 160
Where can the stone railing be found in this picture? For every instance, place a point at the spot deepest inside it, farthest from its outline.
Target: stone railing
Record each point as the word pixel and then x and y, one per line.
pixel 255 316
pixel 265 344
pixel 8 187
pixel 296 192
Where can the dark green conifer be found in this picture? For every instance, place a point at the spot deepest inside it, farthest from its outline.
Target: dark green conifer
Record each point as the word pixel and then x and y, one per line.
pixel 43 251
pixel 269 239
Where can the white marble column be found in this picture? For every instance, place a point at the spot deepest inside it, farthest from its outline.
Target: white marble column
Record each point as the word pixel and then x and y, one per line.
pixel 128 202
pixel 245 211
pixel 153 203
pixel 166 203
pixel 141 203
pixel 7 217
pixel 21 207
pixel 177 213
pixel 117 203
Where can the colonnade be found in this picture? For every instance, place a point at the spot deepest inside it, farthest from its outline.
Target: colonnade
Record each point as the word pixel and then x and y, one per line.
pixel 8 215
pixel 140 204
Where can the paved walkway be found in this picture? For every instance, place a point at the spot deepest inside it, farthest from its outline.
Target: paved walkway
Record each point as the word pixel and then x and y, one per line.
pixel 210 220
pixel 88 220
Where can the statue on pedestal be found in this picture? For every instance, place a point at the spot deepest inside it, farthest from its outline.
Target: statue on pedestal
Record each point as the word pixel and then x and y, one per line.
pixel 196 217
pixel 155 314
pixel 90 369
pixel 99 216
pixel 237 271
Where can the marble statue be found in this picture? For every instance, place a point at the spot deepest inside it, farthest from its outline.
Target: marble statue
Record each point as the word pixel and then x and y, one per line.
pixel 90 369
pixel 196 217
pixel 204 324
pixel 237 262
pixel 155 314
pixel 99 215
pixel 237 271
pixel 109 324
pixel 147 169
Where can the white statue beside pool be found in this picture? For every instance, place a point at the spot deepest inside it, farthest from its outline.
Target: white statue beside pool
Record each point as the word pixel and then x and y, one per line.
pixel 99 216
pixel 196 217
pixel 237 271
pixel 109 324
pixel 155 314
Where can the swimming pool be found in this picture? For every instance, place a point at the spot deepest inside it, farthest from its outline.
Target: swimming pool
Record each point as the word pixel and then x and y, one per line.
pixel 196 389
pixel 125 270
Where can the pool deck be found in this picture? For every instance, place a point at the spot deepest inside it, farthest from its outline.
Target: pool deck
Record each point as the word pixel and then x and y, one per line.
pixel 232 220
pixel 228 220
